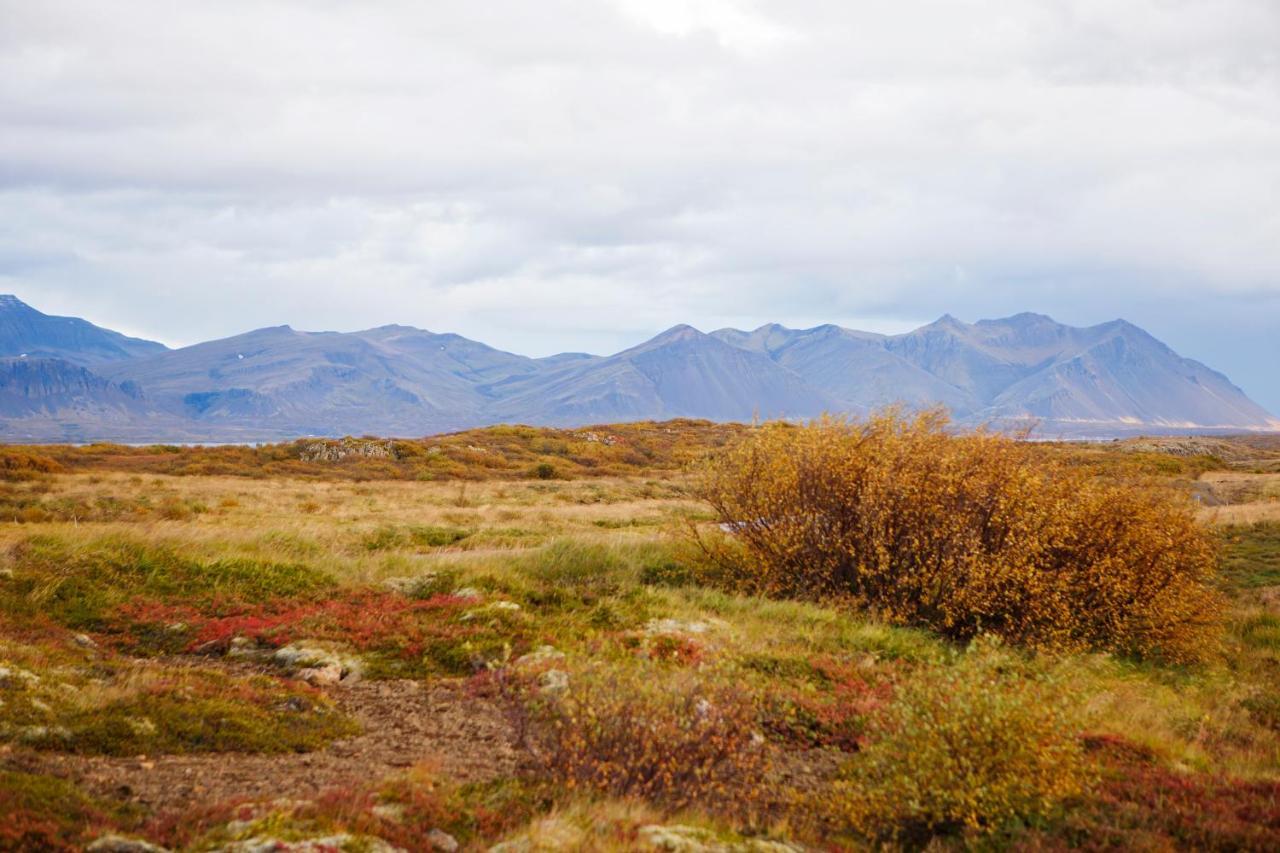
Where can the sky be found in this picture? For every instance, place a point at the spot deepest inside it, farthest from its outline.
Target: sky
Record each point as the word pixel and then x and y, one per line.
pixel 577 175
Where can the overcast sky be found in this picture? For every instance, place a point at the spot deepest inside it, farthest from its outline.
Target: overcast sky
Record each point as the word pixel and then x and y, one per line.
pixel 580 174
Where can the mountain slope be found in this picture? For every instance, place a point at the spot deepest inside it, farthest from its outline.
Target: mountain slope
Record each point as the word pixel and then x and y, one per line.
pixel 390 379
pixel 1022 368
pixel 854 368
pixel 278 382
pixel 1124 375
pixel 26 332
pixel 680 373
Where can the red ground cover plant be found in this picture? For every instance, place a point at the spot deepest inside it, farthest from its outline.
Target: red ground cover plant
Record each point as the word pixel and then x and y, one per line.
pixel 401 811
pixel 1140 804
pixel 367 621
pixel 669 648
pixel 833 713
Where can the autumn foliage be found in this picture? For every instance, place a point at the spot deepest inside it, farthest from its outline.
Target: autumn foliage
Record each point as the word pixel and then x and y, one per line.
pixel 964 534
pixel 625 734
pixel 970 748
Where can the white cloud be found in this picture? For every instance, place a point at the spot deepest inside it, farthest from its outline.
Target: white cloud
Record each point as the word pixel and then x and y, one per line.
pixel 578 173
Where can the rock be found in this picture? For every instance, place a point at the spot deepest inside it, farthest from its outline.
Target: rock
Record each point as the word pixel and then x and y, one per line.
pixel 318 665
pixel 42 734
pixel 554 681
pixel 347 448
pixel 411 587
pixel 668 627
pixel 84 641
pixel 441 840
pixel 539 656
pixel 321 676
pixel 391 812
pixel 243 648
pixel 692 839
pixel 14 676
pixel 327 844
pixel 500 609
pixel 121 844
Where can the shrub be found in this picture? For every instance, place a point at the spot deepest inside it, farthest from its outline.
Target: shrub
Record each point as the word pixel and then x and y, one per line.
pixel 964 534
pixel 25 464
pixel 972 747
pixel 47 813
pixel 390 537
pixel 677 740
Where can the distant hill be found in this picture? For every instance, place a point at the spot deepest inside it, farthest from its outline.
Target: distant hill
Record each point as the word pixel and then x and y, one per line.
pixel 27 333
pixel 68 379
pixel 1026 368
pixel 680 373
pixel 393 380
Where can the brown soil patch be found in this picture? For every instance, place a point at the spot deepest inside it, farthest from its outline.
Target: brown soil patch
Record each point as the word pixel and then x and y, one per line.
pixel 404 723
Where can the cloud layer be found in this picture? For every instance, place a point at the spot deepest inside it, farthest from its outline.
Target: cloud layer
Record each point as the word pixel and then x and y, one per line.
pixel 577 175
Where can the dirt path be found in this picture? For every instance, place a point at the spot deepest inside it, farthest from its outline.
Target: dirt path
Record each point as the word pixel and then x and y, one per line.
pixel 404 723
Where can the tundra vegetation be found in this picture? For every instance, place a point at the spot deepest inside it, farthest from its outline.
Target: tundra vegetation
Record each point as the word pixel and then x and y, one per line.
pixel 670 636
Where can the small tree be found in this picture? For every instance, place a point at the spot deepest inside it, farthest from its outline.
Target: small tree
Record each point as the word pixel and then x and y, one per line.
pixel 963 534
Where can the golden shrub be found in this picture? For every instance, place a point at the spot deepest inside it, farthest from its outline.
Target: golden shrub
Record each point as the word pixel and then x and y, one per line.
pixel 964 534
pixel 967 749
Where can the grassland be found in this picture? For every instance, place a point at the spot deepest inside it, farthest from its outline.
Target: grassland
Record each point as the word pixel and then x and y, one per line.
pixel 365 640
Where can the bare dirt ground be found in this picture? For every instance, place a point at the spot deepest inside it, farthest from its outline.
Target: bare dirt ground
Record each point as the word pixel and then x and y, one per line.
pixel 404 723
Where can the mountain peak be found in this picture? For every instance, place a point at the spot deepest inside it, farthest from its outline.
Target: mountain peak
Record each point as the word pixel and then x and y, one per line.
pixel 680 332
pixel 25 331
pixel 1022 319
pixel 9 302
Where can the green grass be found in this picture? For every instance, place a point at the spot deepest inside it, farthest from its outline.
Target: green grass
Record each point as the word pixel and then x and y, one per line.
pixel 82 585
pixel 390 537
pixel 1252 555
pixel 59 696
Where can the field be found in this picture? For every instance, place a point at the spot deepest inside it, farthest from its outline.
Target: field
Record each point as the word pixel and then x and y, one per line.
pixel 498 640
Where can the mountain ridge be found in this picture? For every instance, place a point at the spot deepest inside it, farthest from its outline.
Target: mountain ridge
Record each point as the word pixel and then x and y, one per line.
pixel 28 333
pixel 74 379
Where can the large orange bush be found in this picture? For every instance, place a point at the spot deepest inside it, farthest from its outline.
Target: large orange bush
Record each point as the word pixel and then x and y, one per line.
pixel 965 534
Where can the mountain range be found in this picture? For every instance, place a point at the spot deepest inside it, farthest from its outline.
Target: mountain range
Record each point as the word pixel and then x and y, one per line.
pixel 65 379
